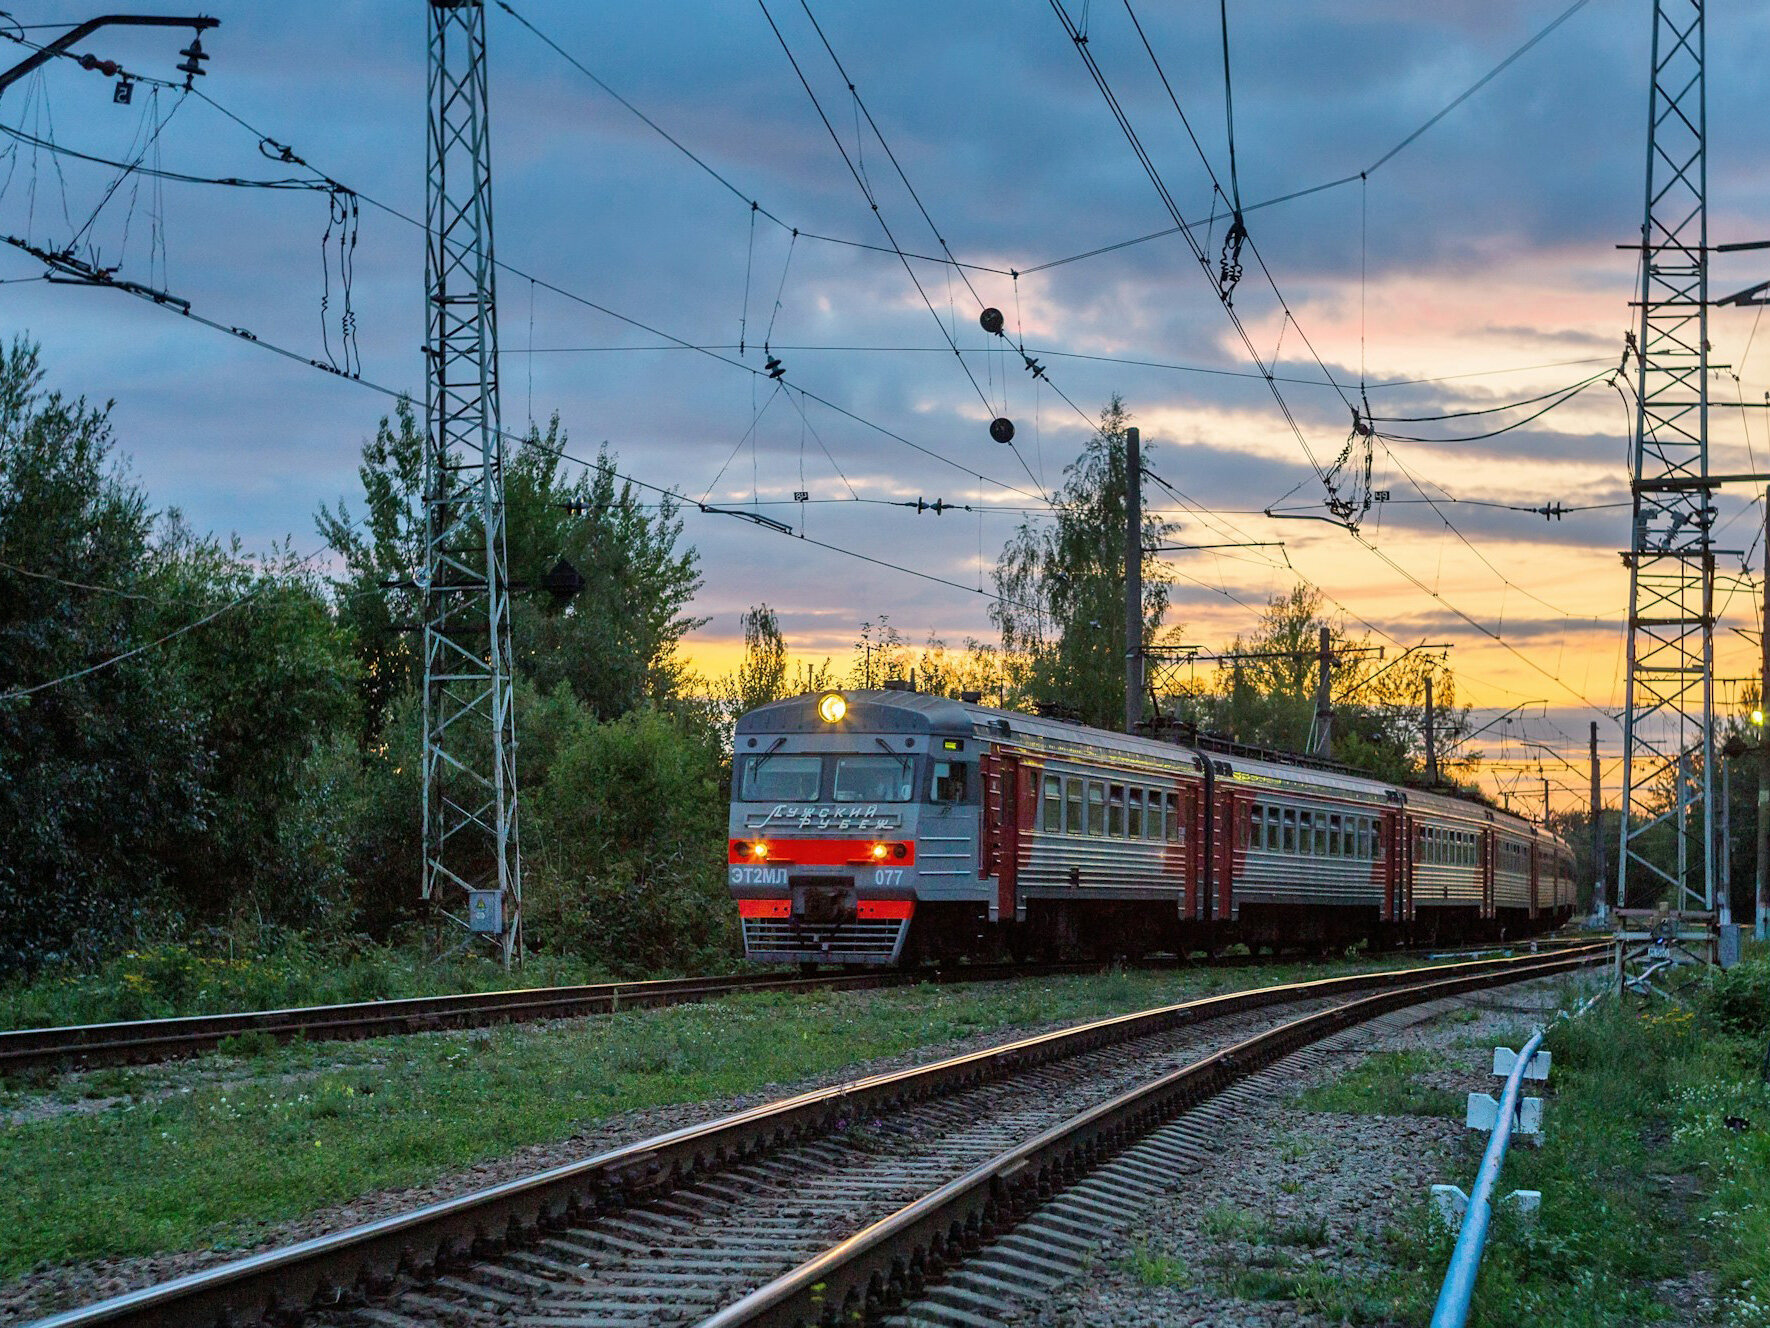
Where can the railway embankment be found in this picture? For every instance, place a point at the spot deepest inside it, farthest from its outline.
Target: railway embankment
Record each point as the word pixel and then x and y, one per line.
pixel 128 1175
pixel 1313 1210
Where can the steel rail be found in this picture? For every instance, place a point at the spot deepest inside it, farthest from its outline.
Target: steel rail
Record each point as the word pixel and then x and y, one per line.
pixel 879 1269
pixel 327 1268
pixel 92 1046
pixel 189 1035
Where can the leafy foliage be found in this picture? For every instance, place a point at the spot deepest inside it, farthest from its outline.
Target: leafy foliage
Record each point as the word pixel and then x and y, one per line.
pixel 1061 587
pixel 629 869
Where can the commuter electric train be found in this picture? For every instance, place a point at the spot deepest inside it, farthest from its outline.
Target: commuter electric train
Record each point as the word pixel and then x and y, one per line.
pixel 889 827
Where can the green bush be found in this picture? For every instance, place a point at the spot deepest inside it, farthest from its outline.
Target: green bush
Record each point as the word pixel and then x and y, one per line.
pixel 221 975
pixel 1739 998
pixel 628 869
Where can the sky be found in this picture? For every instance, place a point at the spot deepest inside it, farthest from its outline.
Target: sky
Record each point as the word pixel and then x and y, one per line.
pixel 1476 266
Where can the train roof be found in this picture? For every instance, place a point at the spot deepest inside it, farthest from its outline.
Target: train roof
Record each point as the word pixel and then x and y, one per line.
pixel 891 710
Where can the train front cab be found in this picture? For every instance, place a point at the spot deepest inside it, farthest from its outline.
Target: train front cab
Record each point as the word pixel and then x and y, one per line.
pixel 850 817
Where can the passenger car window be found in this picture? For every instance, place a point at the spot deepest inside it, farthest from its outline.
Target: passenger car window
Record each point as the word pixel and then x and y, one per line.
pixel 1115 812
pixel 773 777
pixel 880 778
pixel 1052 821
pixel 1073 822
pixel 951 782
pixel 1096 808
pixel 1134 815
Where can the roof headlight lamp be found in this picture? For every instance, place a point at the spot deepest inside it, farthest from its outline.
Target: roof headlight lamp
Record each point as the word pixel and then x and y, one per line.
pixel 831 706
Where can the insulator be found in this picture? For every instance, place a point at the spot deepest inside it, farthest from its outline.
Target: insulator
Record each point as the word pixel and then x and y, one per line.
pixel 992 321
pixel 1002 429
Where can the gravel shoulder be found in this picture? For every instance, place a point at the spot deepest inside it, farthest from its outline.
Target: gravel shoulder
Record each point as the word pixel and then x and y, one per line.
pixel 1292 1228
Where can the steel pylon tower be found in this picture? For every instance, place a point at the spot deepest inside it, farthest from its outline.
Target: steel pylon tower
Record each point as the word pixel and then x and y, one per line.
pixel 472 861
pixel 1668 738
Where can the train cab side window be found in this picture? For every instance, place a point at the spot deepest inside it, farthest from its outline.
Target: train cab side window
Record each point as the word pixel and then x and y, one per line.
pixel 1072 799
pixel 1115 812
pixel 1171 817
pixel 951 782
pixel 1243 825
pixel 1096 808
pixel 1376 841
pixel 1051 814
pixel 1134 814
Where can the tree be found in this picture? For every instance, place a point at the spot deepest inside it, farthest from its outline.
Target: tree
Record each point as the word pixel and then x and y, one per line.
pixel 270 681
pixel 1267 698
pixel 1061 587
pixel 98 768
pixel 616 644
pixel 378 600
pixel 163 694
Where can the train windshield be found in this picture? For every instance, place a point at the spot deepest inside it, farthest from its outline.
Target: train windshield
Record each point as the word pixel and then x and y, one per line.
pixel 772 778
pixel 879 778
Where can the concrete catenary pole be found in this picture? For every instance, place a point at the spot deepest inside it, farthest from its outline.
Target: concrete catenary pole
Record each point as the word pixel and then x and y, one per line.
pixel 1133 579
pixel 1431 737
pixel 1324 706
pixel 1600 910
pixel 1763 884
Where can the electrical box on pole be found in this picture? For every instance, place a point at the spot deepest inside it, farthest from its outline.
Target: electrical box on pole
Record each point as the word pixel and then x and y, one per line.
pixel 472 858
pixel 1668 733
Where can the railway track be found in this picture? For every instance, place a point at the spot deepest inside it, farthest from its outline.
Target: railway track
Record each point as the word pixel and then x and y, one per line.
pixel 93 1046
pixel 848 1199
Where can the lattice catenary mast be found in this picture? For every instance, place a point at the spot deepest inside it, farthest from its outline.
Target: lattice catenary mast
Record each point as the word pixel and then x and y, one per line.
pixel 472 862
pixel 1668 737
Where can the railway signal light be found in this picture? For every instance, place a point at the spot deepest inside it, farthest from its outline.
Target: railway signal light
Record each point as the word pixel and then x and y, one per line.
pixel 1758 717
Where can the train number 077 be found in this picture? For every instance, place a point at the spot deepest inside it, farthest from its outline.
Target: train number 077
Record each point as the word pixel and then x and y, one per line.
pixel 888 876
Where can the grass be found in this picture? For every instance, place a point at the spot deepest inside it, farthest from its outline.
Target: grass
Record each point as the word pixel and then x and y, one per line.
pixel 1642 1179
pixel 159 982
pixel 1644 1182
pixel 1384 1084
pixel 1157 1270
pixel 213 1153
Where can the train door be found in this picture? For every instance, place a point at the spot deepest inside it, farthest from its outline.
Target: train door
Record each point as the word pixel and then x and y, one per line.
pixel 999 855
pixel 1535 872
pixel 1394 895
pixel 1488 855
pixel 1192 851
pixel 1406 830
pixel 1026 781
pixel 1230 808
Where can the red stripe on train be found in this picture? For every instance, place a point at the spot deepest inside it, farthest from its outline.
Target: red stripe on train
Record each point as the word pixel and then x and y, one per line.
pixel 764 908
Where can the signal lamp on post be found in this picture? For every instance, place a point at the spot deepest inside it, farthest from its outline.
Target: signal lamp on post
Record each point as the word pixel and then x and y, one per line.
pixel 831 706
pixel 1758 717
